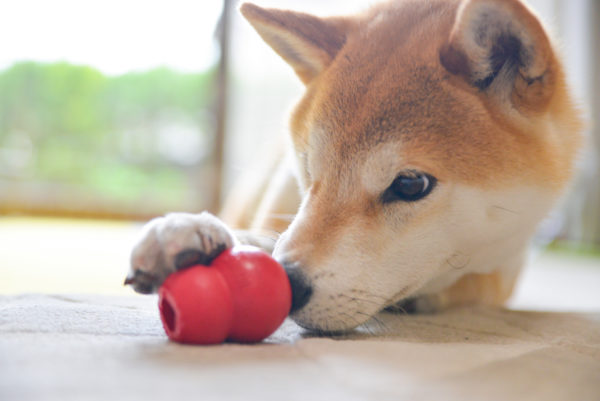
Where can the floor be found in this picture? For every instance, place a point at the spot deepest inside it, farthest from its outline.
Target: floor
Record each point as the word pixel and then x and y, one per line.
pixel 70 331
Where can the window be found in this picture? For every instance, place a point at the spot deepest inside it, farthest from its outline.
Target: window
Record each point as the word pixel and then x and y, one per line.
pixel 106 107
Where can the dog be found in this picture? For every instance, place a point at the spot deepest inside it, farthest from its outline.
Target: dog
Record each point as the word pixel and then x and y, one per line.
pixel 432 138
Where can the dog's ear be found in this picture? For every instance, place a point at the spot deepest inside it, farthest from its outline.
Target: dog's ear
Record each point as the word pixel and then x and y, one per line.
pixel 500 47
pixel 306 42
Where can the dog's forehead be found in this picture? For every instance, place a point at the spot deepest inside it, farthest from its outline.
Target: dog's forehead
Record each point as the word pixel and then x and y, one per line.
pixel 387 85
pixel 409 114
pixel 389 109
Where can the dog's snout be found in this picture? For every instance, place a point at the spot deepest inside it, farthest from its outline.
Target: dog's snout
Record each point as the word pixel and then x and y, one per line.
pixel 301 288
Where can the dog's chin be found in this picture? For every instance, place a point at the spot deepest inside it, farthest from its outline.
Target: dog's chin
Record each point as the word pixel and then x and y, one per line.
pixel 329 321
pixel 325 327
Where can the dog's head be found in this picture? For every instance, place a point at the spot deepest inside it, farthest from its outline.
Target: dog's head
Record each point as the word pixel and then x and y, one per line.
pixel 432 137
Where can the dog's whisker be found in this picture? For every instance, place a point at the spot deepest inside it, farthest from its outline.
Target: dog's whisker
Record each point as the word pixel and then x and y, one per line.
pixel 375 296
pixel 401 309
pixel 357 322
pixel 504 209
pixel 370 295
pixel 365 325
pixel 351 317
pixel 381 326
pixel 356 299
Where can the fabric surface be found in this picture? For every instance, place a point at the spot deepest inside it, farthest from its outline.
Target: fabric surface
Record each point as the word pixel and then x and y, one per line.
pixel 113 348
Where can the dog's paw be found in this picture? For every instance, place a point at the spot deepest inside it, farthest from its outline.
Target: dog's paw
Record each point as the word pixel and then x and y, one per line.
pixel 174 242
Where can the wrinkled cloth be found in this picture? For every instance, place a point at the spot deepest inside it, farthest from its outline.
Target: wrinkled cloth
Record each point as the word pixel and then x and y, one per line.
pixel 86 347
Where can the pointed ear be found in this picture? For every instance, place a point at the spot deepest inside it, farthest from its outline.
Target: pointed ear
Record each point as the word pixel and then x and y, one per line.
pixel 500 47
pixel 306 42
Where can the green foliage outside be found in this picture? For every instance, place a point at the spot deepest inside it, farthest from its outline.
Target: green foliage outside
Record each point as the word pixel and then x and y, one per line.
pixel 111 138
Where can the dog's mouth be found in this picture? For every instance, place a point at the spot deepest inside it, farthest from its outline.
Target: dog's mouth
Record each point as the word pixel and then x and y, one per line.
pixel 336 314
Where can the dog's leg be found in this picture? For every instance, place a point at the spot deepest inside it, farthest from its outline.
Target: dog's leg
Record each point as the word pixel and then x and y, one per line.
pixel 280 202
pixel 173 242
pixel 179 240
pixel 248 192
pixel 484 289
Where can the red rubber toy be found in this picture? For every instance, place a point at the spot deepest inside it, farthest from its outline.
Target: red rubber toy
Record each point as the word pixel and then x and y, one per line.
pixel 243 295
pixel 196 306
pixel 261 292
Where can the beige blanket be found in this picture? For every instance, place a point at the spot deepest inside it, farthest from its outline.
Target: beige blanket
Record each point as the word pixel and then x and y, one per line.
pixel 113 348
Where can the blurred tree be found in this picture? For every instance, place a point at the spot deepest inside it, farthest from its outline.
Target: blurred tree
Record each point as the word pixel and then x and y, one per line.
pixel 118 141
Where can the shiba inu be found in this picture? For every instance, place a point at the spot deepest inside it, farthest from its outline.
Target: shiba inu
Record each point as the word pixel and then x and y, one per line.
pixel 432 138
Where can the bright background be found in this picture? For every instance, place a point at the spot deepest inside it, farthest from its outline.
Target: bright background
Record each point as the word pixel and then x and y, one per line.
pixel 107 111
pixel 114 36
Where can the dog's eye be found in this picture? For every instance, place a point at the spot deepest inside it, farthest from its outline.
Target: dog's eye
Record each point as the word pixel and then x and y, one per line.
pixel 409 187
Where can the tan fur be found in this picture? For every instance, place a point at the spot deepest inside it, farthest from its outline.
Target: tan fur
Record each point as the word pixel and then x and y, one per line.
pixel 484 289
pixel 412 78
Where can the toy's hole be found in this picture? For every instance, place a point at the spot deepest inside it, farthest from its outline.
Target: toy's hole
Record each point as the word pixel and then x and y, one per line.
pixel 168 314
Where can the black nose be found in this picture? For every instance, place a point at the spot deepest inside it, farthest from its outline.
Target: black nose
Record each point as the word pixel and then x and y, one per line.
pixel 301 289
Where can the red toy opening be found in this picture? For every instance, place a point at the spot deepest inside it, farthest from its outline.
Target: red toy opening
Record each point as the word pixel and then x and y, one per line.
pixel 169 315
